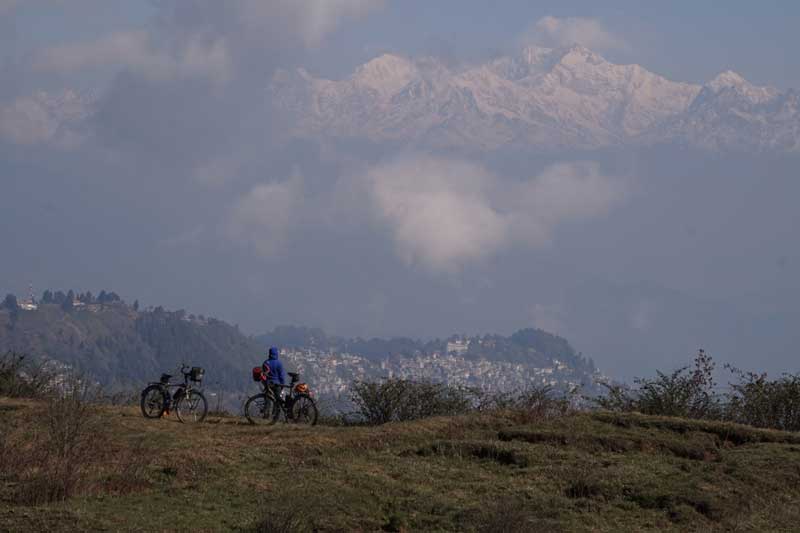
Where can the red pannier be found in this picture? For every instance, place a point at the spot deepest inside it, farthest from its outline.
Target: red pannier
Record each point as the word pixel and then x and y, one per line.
pixel 260 373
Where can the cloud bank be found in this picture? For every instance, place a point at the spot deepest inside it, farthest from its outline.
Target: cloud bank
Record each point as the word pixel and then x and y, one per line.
pixel 445 213
pixel 558 32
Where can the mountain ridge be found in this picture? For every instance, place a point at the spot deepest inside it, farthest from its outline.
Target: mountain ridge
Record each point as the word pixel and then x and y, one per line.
pixel 121 345
pixel 540 98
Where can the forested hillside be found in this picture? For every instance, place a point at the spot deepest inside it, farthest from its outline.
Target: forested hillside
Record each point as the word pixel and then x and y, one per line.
pixel 121 346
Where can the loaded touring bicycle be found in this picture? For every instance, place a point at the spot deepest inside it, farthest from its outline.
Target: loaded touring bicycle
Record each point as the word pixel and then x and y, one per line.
pixel 297 406
pixel 187 400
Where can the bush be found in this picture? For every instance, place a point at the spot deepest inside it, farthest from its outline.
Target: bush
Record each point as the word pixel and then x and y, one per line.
pixel 683 393
pixel 753 399
pixel 528 405
pixel 73 442
pixel 20 377
pixel 760 402
pixel 379 402
pixel 400 399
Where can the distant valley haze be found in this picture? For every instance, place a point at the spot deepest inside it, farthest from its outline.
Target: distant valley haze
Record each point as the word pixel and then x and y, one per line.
pixel 623 176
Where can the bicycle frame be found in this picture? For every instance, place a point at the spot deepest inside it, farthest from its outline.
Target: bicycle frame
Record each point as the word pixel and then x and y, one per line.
pixel 185 387
pixel 283 402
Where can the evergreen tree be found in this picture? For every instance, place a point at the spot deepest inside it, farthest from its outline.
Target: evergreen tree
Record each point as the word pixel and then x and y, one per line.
pixel 66 305
pixel 136 305
pixel 10 303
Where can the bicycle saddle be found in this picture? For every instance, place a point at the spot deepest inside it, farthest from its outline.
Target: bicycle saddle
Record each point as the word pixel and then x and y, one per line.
pixel 294 375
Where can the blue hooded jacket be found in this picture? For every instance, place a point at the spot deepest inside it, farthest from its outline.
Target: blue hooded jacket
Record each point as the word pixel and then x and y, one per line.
pixel 276 373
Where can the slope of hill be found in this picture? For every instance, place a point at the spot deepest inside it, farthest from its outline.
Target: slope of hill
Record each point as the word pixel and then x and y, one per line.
pixel 583 472
pixel 541 98
pixel 120 346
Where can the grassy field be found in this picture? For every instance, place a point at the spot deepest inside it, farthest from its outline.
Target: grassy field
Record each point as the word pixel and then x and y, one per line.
pixel 583 472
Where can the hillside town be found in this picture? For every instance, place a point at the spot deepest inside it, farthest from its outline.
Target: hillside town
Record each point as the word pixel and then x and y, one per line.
pixel 332 373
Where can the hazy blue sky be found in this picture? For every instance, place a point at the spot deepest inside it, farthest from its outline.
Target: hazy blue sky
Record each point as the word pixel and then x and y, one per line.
pixel 174 185
pixel 684 40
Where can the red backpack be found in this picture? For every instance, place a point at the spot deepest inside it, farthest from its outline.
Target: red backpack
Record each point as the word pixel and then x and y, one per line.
pixel 261 373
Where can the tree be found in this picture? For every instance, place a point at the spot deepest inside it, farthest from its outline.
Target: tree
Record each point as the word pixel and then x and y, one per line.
pixel 136 305
pixel 10 303
pixel 66 305
pixel 47 297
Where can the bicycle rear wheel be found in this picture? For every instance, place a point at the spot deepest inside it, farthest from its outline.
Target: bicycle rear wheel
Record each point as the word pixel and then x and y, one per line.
pixel 192 407
pixel 261 409
pixel 153 402
pixel 304 410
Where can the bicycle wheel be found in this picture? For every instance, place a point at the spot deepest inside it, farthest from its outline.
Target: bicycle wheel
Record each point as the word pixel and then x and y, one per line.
pixel 304 410
pixel 192 407
pixel 154 401
pixel 261 410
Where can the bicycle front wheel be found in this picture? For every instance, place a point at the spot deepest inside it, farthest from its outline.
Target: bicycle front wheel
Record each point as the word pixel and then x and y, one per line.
pixel 154 401
pixel 192 407
pixel 261 409
pixel 304 410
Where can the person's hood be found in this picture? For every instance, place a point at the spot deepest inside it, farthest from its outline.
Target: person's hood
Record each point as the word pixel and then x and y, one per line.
pixel 273 353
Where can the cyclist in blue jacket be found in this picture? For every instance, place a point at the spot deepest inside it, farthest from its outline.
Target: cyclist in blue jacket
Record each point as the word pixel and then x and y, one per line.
pixel 277 376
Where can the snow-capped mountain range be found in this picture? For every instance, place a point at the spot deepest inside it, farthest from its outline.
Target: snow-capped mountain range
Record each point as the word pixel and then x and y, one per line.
pixel 540 99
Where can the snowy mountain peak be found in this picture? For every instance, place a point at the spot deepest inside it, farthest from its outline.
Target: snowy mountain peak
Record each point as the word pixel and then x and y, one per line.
pixel 730 81
pixel 725 79
pixel 540 99
pixel 534 55
pixel 386 74
pixel 578 54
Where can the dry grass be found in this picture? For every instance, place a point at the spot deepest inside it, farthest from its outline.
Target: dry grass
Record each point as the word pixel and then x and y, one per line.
pixel 479 472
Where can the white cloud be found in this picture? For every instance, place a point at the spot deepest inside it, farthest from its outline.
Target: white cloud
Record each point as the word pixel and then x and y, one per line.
pixel 562 192
pixel 311 19
pixel 558 32
pixel 43 117
pixel 438 210
pixel 262 218
pixel 26 121
pixel 445 213
pixel 136 50
pixel 323 16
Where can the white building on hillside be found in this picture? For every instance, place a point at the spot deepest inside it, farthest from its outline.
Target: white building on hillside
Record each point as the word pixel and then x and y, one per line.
pixel 458 346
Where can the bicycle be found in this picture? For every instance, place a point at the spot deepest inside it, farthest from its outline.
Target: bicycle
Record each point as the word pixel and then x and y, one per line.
pixel 190 403
pixel 297 406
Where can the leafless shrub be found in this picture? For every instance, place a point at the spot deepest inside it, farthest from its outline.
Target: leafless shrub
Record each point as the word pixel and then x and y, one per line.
pixel 400 399
pixel 22 377
pixel 687 393
pixel 530 404
pixel 72 440
pixel 761 402
pixel 378 402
